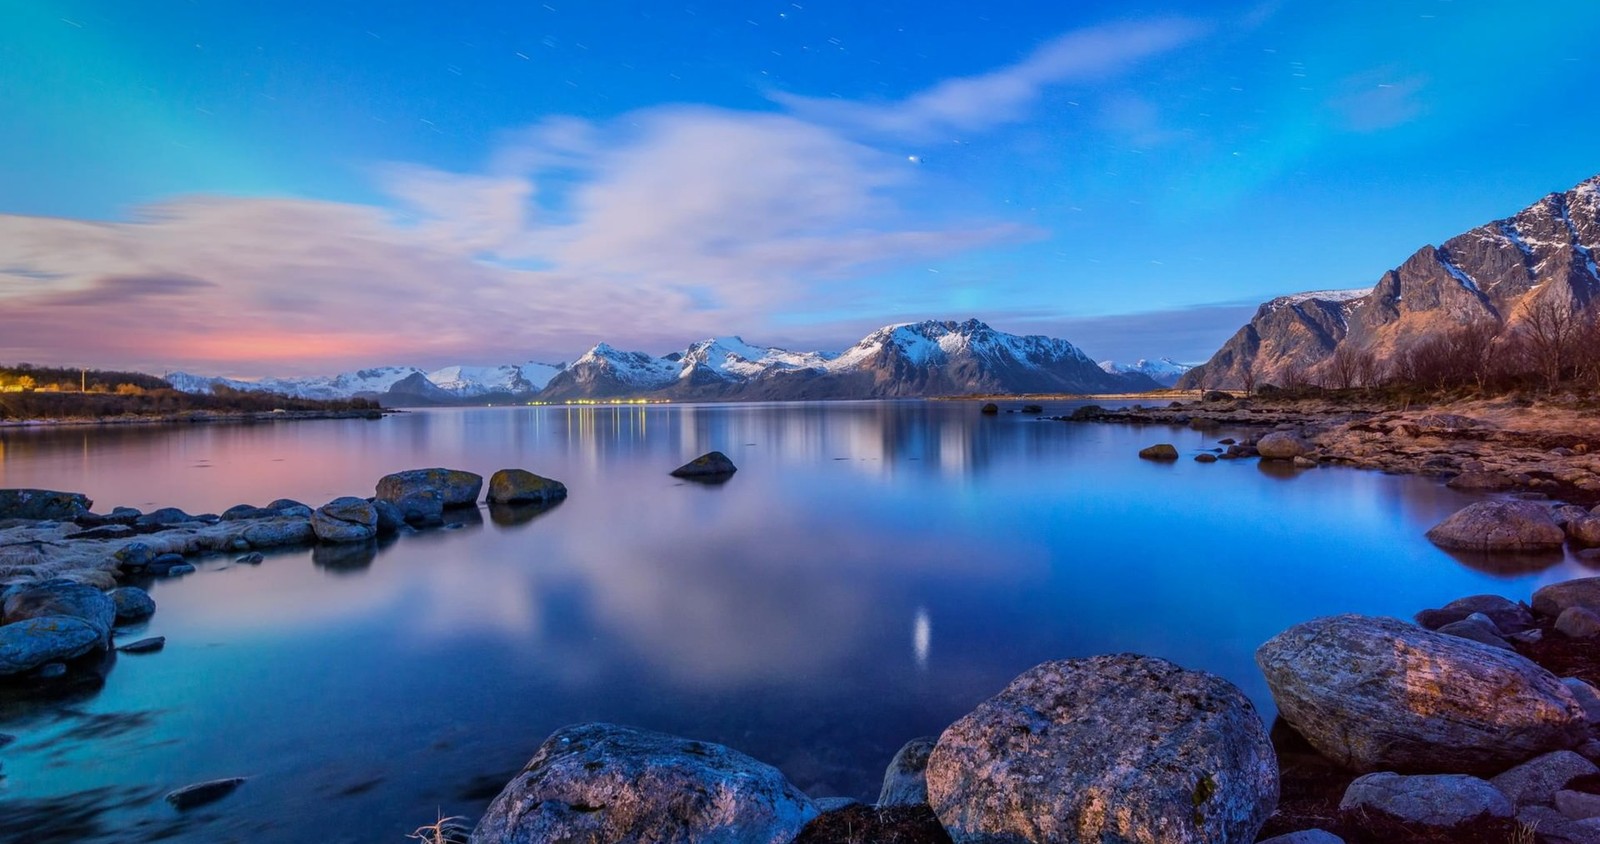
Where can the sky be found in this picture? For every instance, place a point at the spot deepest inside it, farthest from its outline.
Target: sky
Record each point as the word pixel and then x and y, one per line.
pixel 301 188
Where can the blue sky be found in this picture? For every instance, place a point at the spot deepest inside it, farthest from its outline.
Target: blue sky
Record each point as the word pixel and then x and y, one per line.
pixel 286 188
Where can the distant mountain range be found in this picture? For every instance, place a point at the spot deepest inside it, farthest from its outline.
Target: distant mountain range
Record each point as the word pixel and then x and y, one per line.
pixel 1496 274
pixel 1165 371
pixel 898 361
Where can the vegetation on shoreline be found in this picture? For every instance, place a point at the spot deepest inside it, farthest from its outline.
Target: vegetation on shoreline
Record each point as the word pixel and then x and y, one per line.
pixel 28 392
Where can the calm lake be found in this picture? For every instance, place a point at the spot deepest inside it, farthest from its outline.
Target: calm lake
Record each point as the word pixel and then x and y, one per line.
pixel 872 572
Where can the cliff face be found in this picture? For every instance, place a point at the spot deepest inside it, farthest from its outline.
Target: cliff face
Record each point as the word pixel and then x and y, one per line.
pixel 1494 273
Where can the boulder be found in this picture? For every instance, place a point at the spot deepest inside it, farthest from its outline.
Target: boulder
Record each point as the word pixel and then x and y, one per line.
pixel 1538 779
pixel 1282 445
pixel 905 783
pixel 989 409
pixel 1578 805
pixel 1159 451
pixel 1555 828
pixel 144 646
pixel 276 533
pixel 1478 628
pixel 289 507
pixel 1440 801
pixel 516 486
pixel 454 487
pixel 1498 526
pixel 1552 600
pixel 134 556
pixel 1478 481
pixel 1305 836
pixel 712 464
pixel 164 516
pixel 1588 697
pixel 1379 694
pixel 247 511
pixel 422 508
pixel 390 519
pixel 1578 623
pixel 347 519
pixel 31 643
pixel 62 598
pixel 132 603
pixel 600 783
pixel 1508 616
pixel 1109 748
pixel 1584 532
pixel 1567 514
pixel 1205 457
pixel 43 505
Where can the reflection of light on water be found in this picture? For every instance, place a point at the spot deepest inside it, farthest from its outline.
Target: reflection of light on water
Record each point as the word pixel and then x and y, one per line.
pixel 921 636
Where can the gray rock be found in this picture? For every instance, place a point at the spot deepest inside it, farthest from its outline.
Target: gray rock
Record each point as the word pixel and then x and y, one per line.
pixel 1553 827
pixel 1587 696
pixel 1553 599
pixel 144 646
pixel 277 533
pixel 1498 526
pixel 1282 445
pixel 390 519
pixel 245 511
pixel 43 505
pixel 134 556
pixel 1538 779
pixel 712 464
pixel 1584 532
pixel 905 783
pixel 422 508
pixel 346 519
pixel 517 486
pixel 62 598
pixel 1379 694
pixel 1578 805
pixel 1109 748
pixel 254 558
pixel 1578 623
pixel 455 487
pixel 132 603
pixel 1159 451
pixel 180 570
pixel 26 645
pixel 1568 513
pixel 1306 836
pixel 200 794
pixel 1442 801
pixel 1508 616
pixel 600 784
pixel 165 516
pixel 1478 628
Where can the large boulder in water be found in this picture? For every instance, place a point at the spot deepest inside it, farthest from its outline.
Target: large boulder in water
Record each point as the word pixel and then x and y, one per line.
pixel 712 464
pixel 454 487
pixel 347 519
pixel 519 486
pixel 601 783
pixel 30 643
pixel 132 603
pixel 1109 748
pixel 1556 598
pixel 1282 445
pixel 1499 526
pixel 62 598
pixel 1379 694
pixel 43 505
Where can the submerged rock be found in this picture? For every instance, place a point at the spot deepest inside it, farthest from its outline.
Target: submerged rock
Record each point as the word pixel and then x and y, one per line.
pixel 31 643
pixel 605 784
pixel 905 783
pixel 1439 801
pixel 1498 526
pixel 200 794
pixel 1109 748
pixel 454 487
pixel 989 409
pixel 43 505
pixel 144 646
pixel 1379 694
pixel 518 486
pixel 1159 451
pixel 712 464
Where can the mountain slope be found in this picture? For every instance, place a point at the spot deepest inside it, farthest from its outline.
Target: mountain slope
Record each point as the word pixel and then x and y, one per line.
pixel 1494 274
pixel 1165 371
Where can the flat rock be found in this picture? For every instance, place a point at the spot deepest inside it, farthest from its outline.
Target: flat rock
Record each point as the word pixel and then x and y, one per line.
pixel 1578 805
pixel 43 505
pixel 1441 801
pixel 1376 694
pixel 1159 451
pixel 518 486
pixel 605 784
pixel 132 603
pixel 1109 748
pixel 31 643
pixel 280 532
pixel 905 782
pixel 144 646
pixel 1538 779
pixel 1553 599
pixel 1508 616
pixel 1556 828
pixel 712 464
pixel 455 488
pixel 1498 526
pixel 203 793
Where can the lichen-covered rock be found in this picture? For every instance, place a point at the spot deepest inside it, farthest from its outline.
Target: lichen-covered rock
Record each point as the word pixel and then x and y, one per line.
pixel 1282 445
pixel 518 486
pixel 347 519
pixel 1439 801
pixel 1110 748
pixel 454 487
pixel 1538 779
pixel 132 603
pixel 31 643
pixel 43 505
pixel 712 464
pixel 1498 526
pixel 905 783
pixel 61 597
pixel 605 784
pixel 1508 616
pixel 1553 599
pixel 1159 451
pixel 1379 694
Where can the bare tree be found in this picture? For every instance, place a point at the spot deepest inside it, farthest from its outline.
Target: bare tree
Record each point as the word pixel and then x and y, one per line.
pixel 1247 376
pixel 1550 332
pixel 1471 350
pixel 1348 367
pixel 1294 377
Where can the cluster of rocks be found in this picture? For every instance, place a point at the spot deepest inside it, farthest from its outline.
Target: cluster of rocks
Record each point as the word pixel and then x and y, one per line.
pixel 1524 526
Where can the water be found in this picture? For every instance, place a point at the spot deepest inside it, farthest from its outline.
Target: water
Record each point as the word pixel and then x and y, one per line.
pixel 872 572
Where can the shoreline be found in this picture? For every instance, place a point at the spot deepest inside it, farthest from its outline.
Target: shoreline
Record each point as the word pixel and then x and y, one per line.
pixel 196 417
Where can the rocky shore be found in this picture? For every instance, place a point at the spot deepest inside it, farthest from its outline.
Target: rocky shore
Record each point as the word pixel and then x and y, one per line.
pixel 196 416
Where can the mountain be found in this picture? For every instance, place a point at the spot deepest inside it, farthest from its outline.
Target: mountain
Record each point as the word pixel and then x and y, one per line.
pixel 1165 371
pixel 1494 275
pixel 897 361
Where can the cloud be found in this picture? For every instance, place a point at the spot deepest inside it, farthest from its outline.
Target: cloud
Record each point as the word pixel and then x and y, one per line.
pixel 1005 95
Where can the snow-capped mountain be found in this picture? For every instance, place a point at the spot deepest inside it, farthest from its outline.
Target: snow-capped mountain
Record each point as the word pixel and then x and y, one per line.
pixel 913 359
pixel 1165 371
